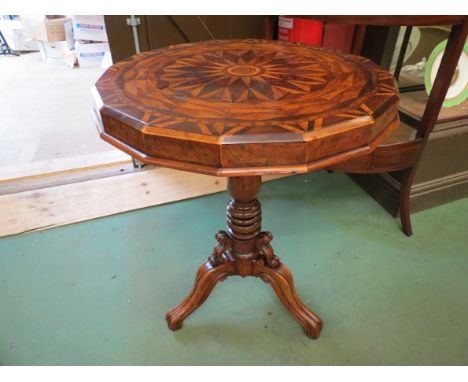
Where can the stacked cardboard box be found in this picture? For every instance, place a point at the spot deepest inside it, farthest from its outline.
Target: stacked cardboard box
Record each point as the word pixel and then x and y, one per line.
pixel 91 40
pixel 68 40
pixel 54 36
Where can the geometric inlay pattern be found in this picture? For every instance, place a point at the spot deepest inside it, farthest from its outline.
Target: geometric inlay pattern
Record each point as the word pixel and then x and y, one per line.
pixel 226 88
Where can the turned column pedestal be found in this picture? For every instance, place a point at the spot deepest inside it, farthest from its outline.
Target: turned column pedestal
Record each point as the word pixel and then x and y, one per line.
pixel 245 250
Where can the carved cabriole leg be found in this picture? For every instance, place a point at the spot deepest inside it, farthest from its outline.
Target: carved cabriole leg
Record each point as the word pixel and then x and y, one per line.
pixel 207 278
pixel 282 282
pixel 246 251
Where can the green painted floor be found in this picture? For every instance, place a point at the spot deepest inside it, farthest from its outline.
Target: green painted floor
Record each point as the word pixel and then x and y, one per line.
pixel 95 293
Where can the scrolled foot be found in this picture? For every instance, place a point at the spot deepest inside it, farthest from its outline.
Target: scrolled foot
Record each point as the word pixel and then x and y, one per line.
pixel 172 322
pixel 206 279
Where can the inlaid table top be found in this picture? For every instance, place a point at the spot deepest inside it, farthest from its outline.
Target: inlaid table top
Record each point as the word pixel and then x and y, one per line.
pixel 245 107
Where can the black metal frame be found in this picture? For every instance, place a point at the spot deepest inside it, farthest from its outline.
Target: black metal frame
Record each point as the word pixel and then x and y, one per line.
pixel 5 48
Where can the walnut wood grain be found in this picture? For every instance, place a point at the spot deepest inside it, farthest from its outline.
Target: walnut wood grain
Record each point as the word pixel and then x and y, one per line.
pixel 399 150
pixel 250 106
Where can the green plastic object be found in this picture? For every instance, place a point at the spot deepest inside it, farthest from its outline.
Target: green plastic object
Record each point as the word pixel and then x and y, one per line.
pixel 461 95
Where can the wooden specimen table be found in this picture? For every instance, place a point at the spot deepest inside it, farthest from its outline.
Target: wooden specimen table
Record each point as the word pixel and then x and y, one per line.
pixel 243 109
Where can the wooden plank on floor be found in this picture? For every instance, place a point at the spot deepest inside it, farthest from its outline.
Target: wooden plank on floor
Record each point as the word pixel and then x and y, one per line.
pixel 57 165
pixel 70 203
pixel 29 183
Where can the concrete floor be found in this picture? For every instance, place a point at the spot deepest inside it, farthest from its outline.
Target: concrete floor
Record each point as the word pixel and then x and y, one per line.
pixel 95 293
pixel 45 112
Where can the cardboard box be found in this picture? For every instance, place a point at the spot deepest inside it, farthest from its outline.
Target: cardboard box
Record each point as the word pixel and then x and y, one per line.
pixel 13 33
pixel 69 35
pixel 107 60
pixel 90 28
pixel 90 54
pixel 44 29
pixel 58 52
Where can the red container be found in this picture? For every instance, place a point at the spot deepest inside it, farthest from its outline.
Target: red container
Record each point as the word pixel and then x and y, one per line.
pixel 296 29
pixel 338 36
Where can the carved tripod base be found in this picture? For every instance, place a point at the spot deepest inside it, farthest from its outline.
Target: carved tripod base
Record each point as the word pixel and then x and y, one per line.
pixel 279 278
pixel 245 251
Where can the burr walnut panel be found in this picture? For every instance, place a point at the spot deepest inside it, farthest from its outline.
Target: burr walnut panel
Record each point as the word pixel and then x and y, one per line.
pixel 246 106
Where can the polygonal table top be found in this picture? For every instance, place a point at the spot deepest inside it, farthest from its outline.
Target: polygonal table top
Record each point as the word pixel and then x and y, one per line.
pixel 245 106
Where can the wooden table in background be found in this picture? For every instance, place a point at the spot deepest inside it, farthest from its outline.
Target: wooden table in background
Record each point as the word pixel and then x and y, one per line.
pixel 243 109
